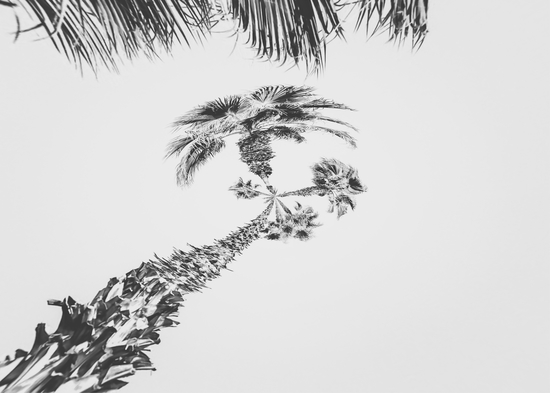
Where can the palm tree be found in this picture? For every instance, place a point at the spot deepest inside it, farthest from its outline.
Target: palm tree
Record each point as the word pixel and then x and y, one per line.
pixel 104 32
pixel 99 343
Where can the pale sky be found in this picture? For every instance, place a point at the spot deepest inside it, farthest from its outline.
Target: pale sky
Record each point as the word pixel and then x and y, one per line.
pixel 437 283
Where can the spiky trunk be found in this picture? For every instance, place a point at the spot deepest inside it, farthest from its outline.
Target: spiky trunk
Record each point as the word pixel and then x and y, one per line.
pixel 98 343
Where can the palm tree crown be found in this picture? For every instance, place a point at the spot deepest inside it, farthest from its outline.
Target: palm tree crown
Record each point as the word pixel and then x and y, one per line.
pixel 266 114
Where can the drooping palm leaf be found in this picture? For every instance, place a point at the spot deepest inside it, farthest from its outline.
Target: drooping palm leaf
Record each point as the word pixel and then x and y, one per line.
pixel 284 132
pixel 346 136
pixel 322 103
pixel 176 146
pixel 340 204
pixel 400 18
pixel 101 32
pixel 289 113
pixel 294 131
pixel 104 32
pixel 198 152
pixel 295 29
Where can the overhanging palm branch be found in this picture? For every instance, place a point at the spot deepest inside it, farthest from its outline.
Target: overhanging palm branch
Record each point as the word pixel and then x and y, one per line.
pixel 400 18
pixel 100 32
pixel 296 29
pixel 104 32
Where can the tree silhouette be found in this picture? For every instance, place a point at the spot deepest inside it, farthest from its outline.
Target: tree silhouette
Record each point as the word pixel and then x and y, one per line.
pixel 99 343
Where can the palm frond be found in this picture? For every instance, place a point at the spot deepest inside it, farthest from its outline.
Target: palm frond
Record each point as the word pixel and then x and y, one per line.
pixel 291 99
pixel 340 204
pixel 176 146
pixel 103 32
pixel 400 18
pixel 322 103
pixel 346 199
pixel 245 190
pixel 218 116
pixel 296 29
pixel 332 174
pixel 327 119
pixel 283 132
pixel 354 182
pixel 297 114
pixel 106 32
pixel 197 153
pixel 280 94
pixel 344 135
pixel 298 224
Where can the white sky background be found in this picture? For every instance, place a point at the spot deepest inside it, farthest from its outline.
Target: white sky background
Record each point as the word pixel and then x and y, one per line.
pixel 438 282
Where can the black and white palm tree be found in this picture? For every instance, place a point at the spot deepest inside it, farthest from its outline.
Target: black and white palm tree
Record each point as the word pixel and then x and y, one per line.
pixel 100 343
pixel 103 32
pixel 257 118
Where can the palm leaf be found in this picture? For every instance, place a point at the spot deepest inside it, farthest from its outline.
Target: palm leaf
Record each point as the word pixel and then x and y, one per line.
pixel 102 32
pixel 279 94
pixel 332 174
pixel 105 32
pixel 322 103
pixel 340 203
pixel 296 29
pixel 346 199
pixel 218 116
pixel 283 132
pixel 344 135
pixel 293 131
pixel 400 18
pixel 197 153
pixel 293 113
pixel 177 145
pixel 245 190
pixel 304 115
pixel 296 99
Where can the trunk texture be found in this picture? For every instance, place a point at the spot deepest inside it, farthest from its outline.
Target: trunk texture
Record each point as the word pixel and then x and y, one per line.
pixel 98 343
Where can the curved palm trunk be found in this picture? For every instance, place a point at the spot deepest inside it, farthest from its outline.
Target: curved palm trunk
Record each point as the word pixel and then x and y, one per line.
pixel 98 343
